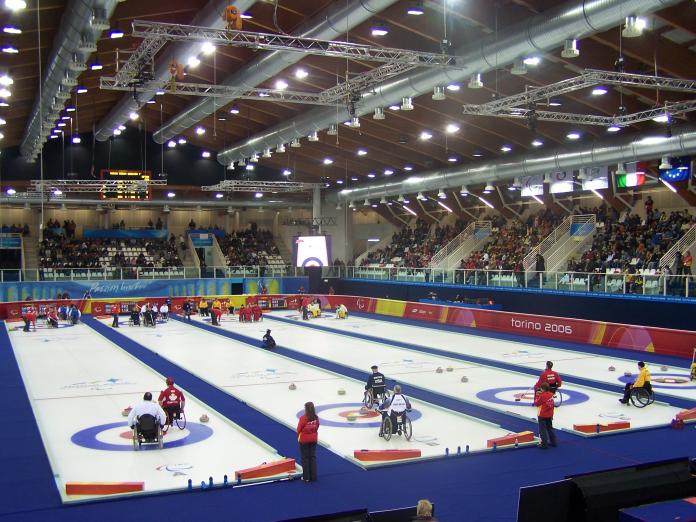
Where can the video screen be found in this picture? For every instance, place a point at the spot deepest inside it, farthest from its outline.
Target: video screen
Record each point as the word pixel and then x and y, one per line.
pixel 311 251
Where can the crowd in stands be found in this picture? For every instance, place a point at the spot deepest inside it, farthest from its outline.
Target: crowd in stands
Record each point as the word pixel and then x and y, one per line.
pixel 512 241
pixel 249 247
pixel 63 252
pixel 15 229
pixel 54 228
pixel 628 244
pixel 414 247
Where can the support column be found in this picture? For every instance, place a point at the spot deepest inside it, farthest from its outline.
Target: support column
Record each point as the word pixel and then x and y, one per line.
pixel 276 220
pixel 236 220
pixel 316 204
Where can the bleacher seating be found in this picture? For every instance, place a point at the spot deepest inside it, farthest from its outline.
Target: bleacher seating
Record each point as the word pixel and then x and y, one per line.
pixel 252 247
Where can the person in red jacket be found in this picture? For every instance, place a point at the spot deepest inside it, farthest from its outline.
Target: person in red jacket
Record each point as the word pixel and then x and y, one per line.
pixel 216 313
pixel 544 403
pixel 550 377
pixel 245 312
pixel 29 317
pixel 172 401
pixel 256 310
pixel 307 436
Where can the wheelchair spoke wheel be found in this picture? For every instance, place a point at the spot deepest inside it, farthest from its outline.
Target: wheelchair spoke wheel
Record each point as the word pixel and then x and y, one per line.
pixel 408 428
pixel 135 440
pixel 181 420
pixel 640 398
pixel 367 399
pixel 387 429
pixel 160 438
pixel 557 399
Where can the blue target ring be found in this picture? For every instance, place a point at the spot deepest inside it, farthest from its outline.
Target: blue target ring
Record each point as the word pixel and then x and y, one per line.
pixel 87 438
pixel 674 386
pixel 413 415
pixel 570 397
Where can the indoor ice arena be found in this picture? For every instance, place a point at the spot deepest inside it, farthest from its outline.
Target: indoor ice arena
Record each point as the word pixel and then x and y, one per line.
pixel 348 261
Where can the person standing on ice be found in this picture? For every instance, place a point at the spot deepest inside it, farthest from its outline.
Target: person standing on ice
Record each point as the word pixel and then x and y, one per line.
pixel 544 403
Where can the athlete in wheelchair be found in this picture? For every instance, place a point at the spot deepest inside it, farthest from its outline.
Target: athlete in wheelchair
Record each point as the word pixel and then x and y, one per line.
pixel 640 392
pixel 376 389
pixel 394 416
pixel 551 377
pixel 172 401
pixel 147 421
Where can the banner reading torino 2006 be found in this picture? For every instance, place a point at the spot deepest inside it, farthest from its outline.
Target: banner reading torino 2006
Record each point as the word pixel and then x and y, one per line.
pixel 631 337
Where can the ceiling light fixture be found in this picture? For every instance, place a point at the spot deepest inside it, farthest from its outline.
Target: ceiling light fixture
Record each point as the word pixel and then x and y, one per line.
pixel 287 172
pixel 574 135
pixel 668 185
pixel 444 206
pixel 11 29
pixel 570 49
pixel 193 62
pixel 6 80
pixel 409 211
pixel 15 5
pixel 205 154
pixel 301 74
pixel 219 195
pixel 10 49
pixel 181 141
pixel 333 130
pixel 208 48
pixel 295 143
pixel 506 148
pixel 665 164
pixel 200 131
pixel 421 197
pixel 81 89
pixel 96 66
pixel 662 118
pixel 441 194
pixel 485 202
pixel 379 114
pixel 354 122
pixel 537 143
pixel 361 152
pixel 246 15
pixel 406 104
pixel 452 128
pixel 388 172
pixel 171 194
pixel 371 175
pixel 313 136
pixel 381 29
pixel 438 93
pixel 408 168
pixel 116 33
pixel 394 107
pixel 327 161
pixel 633 27
pixel 599 91
pixel 425 135
pixel 464 191
pixel 532 61
pixel 620 169
pixel 613 128
pixel 266 153
pixel 133 116
pixel 415 8
pixel 518 68
pixel 281 85
pixel 280 149
pixel 453 159
pixel 171 143
pixel 475 81
pixel 76 139
pixel 234 110
pixel 488 188
pixel 249 167
pixel 254 158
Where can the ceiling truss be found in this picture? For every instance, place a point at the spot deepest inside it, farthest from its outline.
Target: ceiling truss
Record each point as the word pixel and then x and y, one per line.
pixel 232 185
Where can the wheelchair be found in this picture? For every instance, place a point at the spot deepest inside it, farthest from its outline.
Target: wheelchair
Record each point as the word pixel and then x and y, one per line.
pixel 642 397
pixel 370 399
pixel 557 397
pixel 147 431
pixel 176 416
pixel 403 426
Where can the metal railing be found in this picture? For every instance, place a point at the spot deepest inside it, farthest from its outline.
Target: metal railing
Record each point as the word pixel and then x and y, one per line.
pixel 462 245
pixel 582 230
pixel 685 242
pixel 648 283
pixel 547 243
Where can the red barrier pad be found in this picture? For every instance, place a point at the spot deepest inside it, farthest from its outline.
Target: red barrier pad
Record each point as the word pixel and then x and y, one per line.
pixel 386 455
pixel 509 440
pixel 686 415
pixel 611 426
pixel 266 469
pixel 102 488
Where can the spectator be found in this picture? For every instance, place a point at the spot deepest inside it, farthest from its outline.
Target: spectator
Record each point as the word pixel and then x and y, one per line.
pixel 307 436
pixel 424 511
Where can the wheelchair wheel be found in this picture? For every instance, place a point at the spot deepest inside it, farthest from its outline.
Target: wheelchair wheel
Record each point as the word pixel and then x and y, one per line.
pixel 160 437
pixel 136 443
pixel 387 428
pixel 368 399
pixel 557 399
pixel 641 398
pixel 407 428
pixel 181 420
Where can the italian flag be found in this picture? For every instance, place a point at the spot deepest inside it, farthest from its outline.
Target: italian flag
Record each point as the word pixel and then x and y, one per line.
pixel 634 177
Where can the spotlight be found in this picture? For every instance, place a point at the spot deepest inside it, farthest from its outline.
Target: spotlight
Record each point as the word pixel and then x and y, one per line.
pixel 438 93
pixel 452 128
pixel 116 33
pixel 205 154
pixel 361 152
pixel 171 194
pixel 380 29
pixel 96 66
pixel 200 131
pixel 219 195
pixel 665 163
pixel 234 110
pixel 613 128
pixel 280 149
pixel 281 85
pixel 379 114
pixel 532 61
pixel 301 74
pixel 633 27
pixel 406 104
pixel 327 161
pixel 388 172
pixel 295 143
pixel 133 116
pixel 506 148
pixel 314 136
pixel 193 62
pixel 573 135
pixel 453 87
pixel 208 48
pixel 182 141
pixel 81 89
pixel 416 8
pixel 11 29
pixel 171 143
pixel 287 172
pixel 76 139
pixel 333 130
pixel 537 143
pixel 599 91
pixel 425 135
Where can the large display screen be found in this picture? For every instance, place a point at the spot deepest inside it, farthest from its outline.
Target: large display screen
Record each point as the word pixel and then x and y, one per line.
pixel 127 186
pixel 312 250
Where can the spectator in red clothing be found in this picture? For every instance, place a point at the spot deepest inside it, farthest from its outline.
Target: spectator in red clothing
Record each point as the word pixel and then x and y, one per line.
pixel 550 377
pixel 544 403
pixel 307 436
pixel 245 313
pixel 172 401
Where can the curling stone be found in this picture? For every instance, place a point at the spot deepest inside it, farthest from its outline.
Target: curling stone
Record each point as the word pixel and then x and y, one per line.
pixel 352 417
pixel 664 368
pixel 612 369
pixel 364 410
pixel 450 369
pixel 627 374
pixel 439 370
pixel 126 411
pixel 292 386
pixel 341 391
pixel 204 418
pixel 464 378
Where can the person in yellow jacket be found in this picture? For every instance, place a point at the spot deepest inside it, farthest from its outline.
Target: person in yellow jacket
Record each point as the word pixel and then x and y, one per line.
pixel 203 308
pixel 642 381
pixel 217 304
pixel 230 306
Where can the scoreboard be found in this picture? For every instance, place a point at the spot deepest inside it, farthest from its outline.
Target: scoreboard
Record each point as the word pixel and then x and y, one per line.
pixel 126 184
